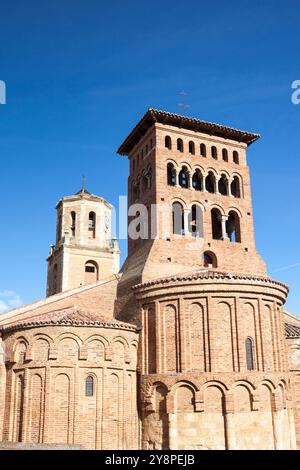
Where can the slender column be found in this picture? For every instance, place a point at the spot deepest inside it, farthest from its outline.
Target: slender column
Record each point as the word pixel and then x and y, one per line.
pixel 224 219
pixel 293 440
pixel 186 221
pixel 217 186
pixel 229 189
pixel 277 422
pixel 177 178
pixel 172 431
pixel 190 180
pixel 158 337
pixel 182 335
pixel 203 183
pixel 229 423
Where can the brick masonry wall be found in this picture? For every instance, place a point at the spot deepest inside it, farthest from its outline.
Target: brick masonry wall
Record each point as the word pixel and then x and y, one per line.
pixel 46 398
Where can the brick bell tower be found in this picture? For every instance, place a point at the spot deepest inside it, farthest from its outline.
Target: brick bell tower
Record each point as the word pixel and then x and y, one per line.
pixel 85 251
pixel 212 362
pixel 193 179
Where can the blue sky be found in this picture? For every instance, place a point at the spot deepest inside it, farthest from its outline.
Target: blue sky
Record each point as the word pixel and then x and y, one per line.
pixel 79 74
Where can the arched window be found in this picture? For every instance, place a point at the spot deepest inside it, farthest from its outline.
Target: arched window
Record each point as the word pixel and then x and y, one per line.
pixel 92 225
pixel 180 145
pixel 233 227
pixel 216 224
pixel 73 223
pixel 210 182
pixel 214 153
pixel 249 354
pixel 89 386
pixel 184 177
pixel 91 272
pixel 195 220
pixel 171 174
pixel 235 156
pixel 191 147
pixel 209 260
pixel 178 218
pixel 203 150
pixel 225 155
pixel 196 180
pixel 235 187
pixel 168 142
pixel 223 185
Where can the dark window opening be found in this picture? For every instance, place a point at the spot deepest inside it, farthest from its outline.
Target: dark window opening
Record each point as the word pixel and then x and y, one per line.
pixel 184 178
pixel 203 150
pixel 192 148
pixel 210 183
pixel 180 145
pixel 223 185
pixel 171 175
pixel 195 220
pixel 196 180
pixel 249 354
pixel 214 152
pixel 235 187
pixel 209 260
pixel 89 386
pixel 225 155
pixel 178 219
pixel 233 227
pixel 235 156
pixel 168 142
pixel 216 224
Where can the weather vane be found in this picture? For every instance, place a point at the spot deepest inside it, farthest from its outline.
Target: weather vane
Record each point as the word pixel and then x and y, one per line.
pixel 183 105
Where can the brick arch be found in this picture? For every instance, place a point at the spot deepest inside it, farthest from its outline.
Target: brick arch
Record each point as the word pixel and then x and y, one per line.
pixel 180 201
pixel 70 335
pixel 217 206
pixel 196 166
pixel 184 397
pixel 39 352
pixel 214 383
pixel 43 336
pixel 96 337
pixel 267 383
pixel 245 383
pixel 174 162
pixel 198 203
pixel 121 339
pixel 213 170
pixel 180 383
pixel 224 172
pixel 184 163
pixel 19 339
pixel 235 209
pixel 91 346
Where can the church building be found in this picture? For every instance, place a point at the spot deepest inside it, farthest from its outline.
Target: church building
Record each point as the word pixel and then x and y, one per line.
pixel 188 345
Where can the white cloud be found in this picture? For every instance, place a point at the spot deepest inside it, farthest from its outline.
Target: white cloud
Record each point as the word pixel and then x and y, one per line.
pixel 9 300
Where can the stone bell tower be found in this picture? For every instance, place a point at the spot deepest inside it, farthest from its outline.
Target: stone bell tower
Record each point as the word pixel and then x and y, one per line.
pixel 85 251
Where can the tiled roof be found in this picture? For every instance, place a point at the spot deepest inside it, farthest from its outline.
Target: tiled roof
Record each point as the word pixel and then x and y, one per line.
pixel 292 331
pixel 72 316
pixel 209 274
pixel 196 125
